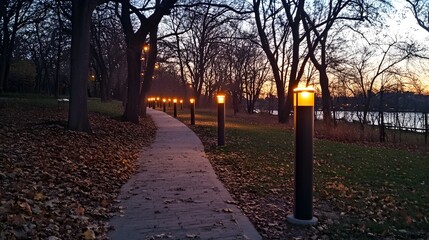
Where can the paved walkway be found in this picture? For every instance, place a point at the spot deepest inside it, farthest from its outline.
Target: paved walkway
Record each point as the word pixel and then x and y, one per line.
pixel 176 194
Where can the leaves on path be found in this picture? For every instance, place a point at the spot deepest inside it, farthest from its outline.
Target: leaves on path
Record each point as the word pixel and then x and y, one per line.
pixel 60 184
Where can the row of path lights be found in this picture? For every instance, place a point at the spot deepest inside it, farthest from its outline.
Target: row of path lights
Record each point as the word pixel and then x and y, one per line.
pixel 156 102
pixel 303 134
pixel 303 101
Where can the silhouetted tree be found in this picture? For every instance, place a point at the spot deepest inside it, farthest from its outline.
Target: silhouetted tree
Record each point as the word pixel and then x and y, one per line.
pixel 14 16
pixel 135 40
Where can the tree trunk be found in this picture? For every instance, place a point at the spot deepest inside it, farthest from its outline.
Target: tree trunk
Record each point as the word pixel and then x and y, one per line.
pixel 326 95
pixel 5 50
pixel 102 72
pixel 235 102
pixel 4 63
pixel 150 69
pixel 78 109
pixel 3 72
pixel 288 101
pixel 131 113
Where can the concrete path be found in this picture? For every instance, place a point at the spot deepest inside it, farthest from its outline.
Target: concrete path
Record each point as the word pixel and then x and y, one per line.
pixel 176 194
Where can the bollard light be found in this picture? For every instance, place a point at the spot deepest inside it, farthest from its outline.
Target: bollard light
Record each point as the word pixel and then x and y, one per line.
pixel 192 101
pixel 175 107
pixel 181 104
pixel 303 101
pixel 158 102
pixel 220 119
pixel 153 103
pixel 169 102
pixel 220 98
pixel 163 103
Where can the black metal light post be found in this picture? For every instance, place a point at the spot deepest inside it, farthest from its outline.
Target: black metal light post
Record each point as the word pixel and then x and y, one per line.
pixel 175 107
pixel 220 120
pixel 158 102
pixel 153 103
pixel 304 128
pixel 163 104
pixel 192 101
pixel 169 102
pixel 181 104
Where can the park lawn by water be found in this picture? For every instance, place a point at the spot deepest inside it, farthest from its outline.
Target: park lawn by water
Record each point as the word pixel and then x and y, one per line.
pixel 369 191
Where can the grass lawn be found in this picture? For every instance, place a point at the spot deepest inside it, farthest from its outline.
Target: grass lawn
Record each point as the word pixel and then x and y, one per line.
pixel 360 191
pixel 111 108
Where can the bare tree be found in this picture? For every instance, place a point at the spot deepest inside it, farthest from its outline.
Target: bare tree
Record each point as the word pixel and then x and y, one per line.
pixel 281 35
pixel 420 10
pixel 199 46
pixel 81 24
pixel 245 68
pixel 257 70
pixel 318 22
pixel 107 49
pixel 135 39
pixel 371 68
pixel 14 16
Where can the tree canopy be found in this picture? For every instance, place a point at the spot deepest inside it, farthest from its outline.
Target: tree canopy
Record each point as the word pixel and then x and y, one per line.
pixel 96 48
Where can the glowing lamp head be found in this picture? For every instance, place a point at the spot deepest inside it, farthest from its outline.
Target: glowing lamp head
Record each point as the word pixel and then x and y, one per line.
pixel 192 100
pixel 303 97
pixel 164 100
pixel 157 99
pixel 181 101
pixel 169 99
pixel 220 98
pixel 174 100
pixel 146 47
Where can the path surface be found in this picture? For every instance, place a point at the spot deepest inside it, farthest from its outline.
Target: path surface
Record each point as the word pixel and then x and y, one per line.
pixel 176 194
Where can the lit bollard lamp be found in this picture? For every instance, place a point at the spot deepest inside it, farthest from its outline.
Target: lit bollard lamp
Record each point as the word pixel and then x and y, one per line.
pixel 153 103
pixel 181 104
pixel 192 101
pixel 175 107
pixel 158 102
pixel 303 101
pixel 220 120
pixel 163 104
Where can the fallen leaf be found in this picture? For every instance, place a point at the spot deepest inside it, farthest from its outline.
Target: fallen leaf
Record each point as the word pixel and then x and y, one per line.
pixel 89 235
pixel 39 196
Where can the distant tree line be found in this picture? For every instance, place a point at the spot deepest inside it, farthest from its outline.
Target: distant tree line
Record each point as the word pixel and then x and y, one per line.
pixel 118 48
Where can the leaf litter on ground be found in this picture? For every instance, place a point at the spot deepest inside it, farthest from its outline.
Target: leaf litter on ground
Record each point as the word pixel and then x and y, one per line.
pixel 60 184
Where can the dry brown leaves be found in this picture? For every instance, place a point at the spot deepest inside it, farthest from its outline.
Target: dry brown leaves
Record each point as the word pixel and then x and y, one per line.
pixel 57 183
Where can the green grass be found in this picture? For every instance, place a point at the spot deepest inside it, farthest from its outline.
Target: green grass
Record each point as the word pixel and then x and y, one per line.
pixel 380 190
pixel 112 108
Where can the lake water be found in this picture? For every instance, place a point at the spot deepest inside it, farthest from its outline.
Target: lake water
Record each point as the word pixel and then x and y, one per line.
pixel 410 121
